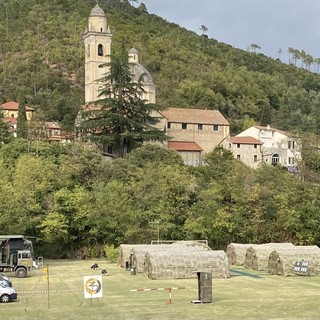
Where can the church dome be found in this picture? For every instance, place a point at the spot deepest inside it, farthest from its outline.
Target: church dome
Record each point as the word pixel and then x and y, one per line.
pixel 97 11
pixel 138 70
pixel 133 51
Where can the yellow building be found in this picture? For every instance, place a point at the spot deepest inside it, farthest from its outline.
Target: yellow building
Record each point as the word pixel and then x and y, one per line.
pixel 10 112
pixel 97 42
pixel 11 109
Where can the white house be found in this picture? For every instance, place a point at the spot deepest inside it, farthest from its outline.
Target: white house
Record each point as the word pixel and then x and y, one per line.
pixel 277 146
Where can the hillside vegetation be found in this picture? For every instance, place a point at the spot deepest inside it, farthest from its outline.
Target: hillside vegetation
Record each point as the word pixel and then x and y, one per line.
pixel 41 58
pixel 75 203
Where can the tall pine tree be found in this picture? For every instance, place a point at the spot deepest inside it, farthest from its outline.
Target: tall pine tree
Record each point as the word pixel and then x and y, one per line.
pixel 5 134
pixel 121 118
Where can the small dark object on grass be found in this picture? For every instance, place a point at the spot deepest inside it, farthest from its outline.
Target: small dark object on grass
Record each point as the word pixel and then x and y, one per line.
pixel 94 266
pixel 104 271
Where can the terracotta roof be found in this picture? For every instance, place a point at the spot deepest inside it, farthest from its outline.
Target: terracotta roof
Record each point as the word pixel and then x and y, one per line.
pixel 244 140
pixel 271 129
pixel 199 116
pixel 184 146
pixel 11 121
pixel 11 105
pixel 52 125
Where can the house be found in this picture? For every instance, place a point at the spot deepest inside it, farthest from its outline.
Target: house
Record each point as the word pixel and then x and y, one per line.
pixel 277 146
pixel 39 130
pixel 246 149
pixel 10 112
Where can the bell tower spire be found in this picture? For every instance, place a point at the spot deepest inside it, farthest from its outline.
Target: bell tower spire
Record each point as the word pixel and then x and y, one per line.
pixel 97 42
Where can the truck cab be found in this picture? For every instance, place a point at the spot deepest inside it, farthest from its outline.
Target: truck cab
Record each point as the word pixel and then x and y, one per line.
pixel 22 262
pixel 16 255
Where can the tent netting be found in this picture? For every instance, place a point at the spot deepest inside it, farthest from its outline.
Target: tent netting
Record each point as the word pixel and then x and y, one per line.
pixel 236 253
pixel 283 260
pixel 181 259
pixel 257 256
pixel 125 253
pixel 186 264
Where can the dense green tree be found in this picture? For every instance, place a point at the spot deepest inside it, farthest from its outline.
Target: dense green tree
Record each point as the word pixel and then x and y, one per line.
pixel 22 126
pixel 154 154
pixel 122 118
pixel 5 133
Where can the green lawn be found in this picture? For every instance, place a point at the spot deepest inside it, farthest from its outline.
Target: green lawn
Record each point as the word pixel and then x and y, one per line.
pixel 239 297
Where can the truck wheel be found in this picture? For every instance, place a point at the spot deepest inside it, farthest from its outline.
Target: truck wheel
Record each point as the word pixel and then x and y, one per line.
pixel 21 273
pixel 4 298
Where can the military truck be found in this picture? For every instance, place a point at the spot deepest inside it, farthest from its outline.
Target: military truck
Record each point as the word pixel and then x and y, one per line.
pixel 16 254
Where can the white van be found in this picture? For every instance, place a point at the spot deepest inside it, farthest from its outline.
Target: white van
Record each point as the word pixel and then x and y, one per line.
pixel 5 280
pixel 7 294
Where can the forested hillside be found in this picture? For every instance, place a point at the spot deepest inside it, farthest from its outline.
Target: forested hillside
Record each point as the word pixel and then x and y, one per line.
pixel 42 59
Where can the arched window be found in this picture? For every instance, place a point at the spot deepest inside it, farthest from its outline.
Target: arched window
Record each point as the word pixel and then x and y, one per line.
pixel 100 50
pixel 275 158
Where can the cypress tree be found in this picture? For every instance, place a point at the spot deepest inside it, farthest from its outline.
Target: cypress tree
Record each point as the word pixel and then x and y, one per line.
pixel 5 134
pixel 22 126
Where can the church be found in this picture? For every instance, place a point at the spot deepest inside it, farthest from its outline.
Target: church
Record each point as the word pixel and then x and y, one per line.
pixel 192 132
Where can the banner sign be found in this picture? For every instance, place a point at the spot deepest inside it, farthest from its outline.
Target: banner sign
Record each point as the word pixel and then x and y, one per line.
pixel 92 286
pixel 301 267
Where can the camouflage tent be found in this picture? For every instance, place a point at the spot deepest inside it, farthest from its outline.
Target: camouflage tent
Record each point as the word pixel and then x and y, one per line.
pixel 186 264
pixel 283 260
pixel 135 254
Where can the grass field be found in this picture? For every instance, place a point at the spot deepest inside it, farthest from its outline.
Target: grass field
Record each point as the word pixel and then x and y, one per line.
pixel 239 297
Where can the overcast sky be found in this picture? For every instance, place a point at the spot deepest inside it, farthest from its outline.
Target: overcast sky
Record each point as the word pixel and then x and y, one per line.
pixel 271 24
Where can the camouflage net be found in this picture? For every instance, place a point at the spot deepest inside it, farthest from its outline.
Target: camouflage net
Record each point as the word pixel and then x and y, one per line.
pixel 189 257
pixel 134 254
pixel 257 256
pixel 236 253
pixel 186 264
pixel 283 260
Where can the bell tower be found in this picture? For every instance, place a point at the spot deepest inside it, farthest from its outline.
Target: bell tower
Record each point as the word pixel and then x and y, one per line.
pixel 97 42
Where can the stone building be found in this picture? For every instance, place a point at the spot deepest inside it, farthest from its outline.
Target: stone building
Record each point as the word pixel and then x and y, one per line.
pixel 245 149
pixel 198 131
